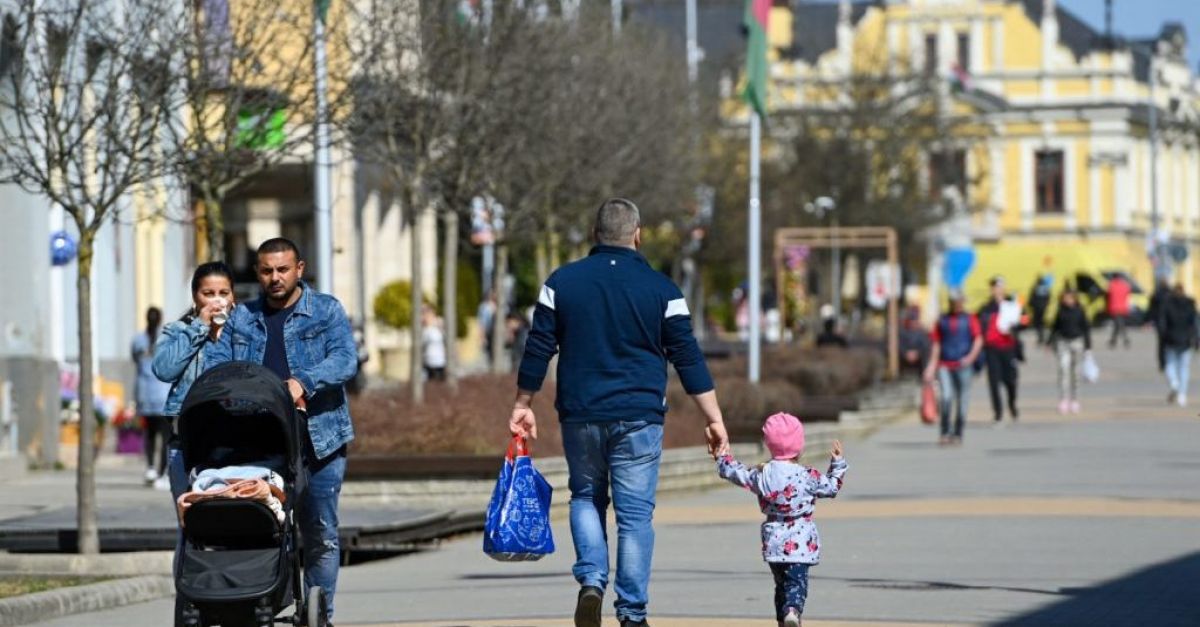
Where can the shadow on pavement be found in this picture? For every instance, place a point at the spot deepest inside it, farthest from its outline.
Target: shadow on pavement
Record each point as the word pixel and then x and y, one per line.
pixel 1163 595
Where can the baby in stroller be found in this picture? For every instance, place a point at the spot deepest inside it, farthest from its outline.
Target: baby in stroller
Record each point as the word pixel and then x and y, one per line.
pixel 237 564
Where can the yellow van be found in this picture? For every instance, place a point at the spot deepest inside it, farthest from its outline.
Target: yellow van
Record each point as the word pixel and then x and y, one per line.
pixel 1086 266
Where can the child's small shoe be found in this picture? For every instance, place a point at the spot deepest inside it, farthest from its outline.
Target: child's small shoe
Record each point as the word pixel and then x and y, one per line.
pixel 1064 406
pixel 792 619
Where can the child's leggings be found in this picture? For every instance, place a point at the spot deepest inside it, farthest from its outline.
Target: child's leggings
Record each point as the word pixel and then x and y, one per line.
pixel 791 587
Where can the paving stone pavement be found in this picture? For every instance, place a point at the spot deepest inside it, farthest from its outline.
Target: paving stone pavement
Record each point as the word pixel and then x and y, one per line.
pixel 1079 520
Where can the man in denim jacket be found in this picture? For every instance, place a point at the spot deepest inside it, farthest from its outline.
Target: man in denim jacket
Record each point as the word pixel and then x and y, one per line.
pixel 304 337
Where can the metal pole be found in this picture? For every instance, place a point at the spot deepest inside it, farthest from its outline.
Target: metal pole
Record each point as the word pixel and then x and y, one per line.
pixel 616 17
pixel 693 48
pixel 1154 217
pixel 837 271
pixel 323 164
pixel 755 261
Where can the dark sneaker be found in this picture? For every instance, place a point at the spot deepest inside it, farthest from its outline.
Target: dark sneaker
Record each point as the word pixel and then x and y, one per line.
pixel 587 608
pixel 792 619
pixel 625 622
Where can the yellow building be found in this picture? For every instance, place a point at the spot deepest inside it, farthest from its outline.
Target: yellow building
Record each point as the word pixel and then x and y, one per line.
pixel 1064 179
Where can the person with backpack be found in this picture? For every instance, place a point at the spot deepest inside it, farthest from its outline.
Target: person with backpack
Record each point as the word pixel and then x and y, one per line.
pixel 956 342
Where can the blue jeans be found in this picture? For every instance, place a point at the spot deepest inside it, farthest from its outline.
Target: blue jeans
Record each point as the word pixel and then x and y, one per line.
pixel 624 454
pixel 955 397
pixel 1178 368
pixel 791 587
pixel 318 517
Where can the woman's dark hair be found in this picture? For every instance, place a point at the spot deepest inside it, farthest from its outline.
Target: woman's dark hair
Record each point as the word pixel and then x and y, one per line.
pixel 203 271
pixel 153 322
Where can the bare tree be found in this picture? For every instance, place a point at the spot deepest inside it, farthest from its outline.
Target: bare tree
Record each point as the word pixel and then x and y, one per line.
pixel 81 111
pixel 245 91
pixel 417 110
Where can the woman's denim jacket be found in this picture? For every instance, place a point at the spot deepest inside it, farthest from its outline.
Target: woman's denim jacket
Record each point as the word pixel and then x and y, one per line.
pixel 179 359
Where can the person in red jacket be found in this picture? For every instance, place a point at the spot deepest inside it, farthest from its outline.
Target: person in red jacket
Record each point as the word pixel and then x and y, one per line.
pixel 1000 320
pixel 1118 309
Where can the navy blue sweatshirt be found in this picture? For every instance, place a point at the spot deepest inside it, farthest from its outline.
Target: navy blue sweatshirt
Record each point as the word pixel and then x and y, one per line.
pixel 615 322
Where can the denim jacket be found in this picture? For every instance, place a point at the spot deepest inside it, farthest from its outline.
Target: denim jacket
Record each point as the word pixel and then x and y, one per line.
pixel 321 355
pixel 179 359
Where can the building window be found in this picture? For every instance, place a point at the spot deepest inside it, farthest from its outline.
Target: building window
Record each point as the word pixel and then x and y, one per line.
pixel 931 54
pixel 948 168
pixel 1048 181
pixel 964 52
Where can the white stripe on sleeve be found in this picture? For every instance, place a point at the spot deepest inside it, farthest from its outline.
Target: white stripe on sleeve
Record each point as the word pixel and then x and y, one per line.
pixel 677 307
pixel 546 296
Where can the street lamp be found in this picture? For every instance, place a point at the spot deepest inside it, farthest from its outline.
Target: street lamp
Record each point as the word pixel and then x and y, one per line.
pixel 819 207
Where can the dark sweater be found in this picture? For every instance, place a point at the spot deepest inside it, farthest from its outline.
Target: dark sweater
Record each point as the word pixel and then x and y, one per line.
pixel 1177 322
pixel 1071 323
pixel 615 323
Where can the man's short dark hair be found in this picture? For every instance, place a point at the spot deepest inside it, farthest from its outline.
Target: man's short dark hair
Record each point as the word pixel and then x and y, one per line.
pixel 616 221
pixel 279 245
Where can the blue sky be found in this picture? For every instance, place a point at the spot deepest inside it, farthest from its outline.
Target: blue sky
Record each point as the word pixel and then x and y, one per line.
pixel 1142 18
pixel 1137 19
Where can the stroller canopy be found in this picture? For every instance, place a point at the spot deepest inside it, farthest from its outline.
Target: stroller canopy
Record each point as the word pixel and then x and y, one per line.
pixel 239 413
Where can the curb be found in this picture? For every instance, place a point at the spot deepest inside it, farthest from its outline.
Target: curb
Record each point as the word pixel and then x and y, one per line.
pixel 41 606
pixel 101 565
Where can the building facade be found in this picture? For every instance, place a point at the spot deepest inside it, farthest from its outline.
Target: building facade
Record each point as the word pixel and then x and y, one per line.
pixel 1090 161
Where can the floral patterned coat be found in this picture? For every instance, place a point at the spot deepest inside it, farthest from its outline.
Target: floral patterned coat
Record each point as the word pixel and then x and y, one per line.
pixel 787 494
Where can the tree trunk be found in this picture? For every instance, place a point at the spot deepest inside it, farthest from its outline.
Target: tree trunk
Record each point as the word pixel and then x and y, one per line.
pixel 85 473
pixel 541 261
pixel 500 358
pixel 416 362
pixel 215 220
pixel 450 297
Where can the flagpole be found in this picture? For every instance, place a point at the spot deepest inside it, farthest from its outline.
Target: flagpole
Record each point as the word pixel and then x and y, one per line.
pixel 323 163
pixel 755 261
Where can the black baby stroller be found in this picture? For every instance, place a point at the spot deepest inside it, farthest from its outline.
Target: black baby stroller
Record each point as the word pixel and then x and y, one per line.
pixel 238 566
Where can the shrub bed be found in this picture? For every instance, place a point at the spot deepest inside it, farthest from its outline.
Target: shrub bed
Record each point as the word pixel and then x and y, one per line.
pixel 474 421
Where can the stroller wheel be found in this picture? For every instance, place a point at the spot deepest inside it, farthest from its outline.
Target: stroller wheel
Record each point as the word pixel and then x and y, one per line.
pixel 316 607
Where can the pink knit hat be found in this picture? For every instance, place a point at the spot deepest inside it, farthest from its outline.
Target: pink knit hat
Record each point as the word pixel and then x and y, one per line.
pixel 784 435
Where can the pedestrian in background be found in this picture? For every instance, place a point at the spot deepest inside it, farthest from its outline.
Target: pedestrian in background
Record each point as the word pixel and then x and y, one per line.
pixel 1177 319
pixel 787 492
pixel 999 319
pixel 1039 302
pixel 1119 290
pixel 1071 338
pixel 1154 316
pixel 151 397
pixel 956 343
pixel 433 345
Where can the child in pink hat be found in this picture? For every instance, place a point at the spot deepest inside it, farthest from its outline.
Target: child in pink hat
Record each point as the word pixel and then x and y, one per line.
pixel 787 492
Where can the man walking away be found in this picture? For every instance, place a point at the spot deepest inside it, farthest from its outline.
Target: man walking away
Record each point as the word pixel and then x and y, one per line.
pixel 615 322
pixel 304 337
pixel 1118 309
pixel 1177 319
pixel 999 319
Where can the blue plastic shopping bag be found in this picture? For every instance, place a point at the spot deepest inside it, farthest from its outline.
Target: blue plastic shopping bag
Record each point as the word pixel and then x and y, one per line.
pixel 517 528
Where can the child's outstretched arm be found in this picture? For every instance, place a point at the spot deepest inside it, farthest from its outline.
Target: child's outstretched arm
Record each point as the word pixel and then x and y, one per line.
pixel 738 473
pixel 828 485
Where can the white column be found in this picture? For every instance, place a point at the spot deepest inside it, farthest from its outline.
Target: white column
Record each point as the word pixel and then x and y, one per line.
pixel 997 45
